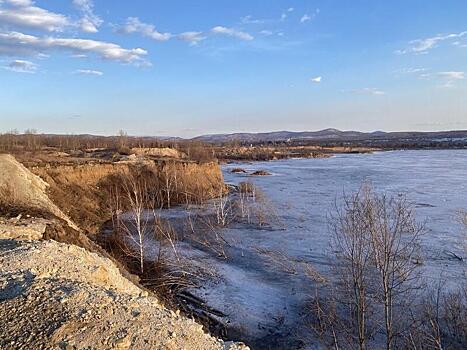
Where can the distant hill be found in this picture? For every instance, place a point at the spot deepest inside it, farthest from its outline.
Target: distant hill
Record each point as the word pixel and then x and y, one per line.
pixel 330 135
pixel 281 136
pixel 307 137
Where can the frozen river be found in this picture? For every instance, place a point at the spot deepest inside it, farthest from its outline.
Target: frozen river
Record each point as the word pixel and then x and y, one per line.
pixel 265 281
pixel 304 192
pixel 263 286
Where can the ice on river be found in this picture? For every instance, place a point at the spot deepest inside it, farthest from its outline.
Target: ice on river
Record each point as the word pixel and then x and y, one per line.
pixel 265 300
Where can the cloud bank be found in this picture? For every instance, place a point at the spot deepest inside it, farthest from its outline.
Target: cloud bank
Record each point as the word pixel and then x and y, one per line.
pixel 16 43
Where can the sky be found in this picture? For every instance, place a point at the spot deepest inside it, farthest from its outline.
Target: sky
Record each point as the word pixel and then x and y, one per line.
pixel 186 68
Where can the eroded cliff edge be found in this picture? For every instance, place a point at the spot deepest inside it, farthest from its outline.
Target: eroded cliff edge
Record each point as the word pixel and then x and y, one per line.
pixel 58 295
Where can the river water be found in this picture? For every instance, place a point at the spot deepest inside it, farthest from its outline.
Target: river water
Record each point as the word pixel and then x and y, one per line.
pixel 304 192
pixel 265 280
pixel 263 286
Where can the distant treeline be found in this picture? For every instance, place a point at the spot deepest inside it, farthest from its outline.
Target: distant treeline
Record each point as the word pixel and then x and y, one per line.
pixel 31 141
pixel 387 144
pixel 396 143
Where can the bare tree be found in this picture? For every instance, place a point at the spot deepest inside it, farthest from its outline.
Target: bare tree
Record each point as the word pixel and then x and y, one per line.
pixel 394 234
pixel 170 177
pixel 426 327
pixel 244 197
pixel 223 208
pixel 325 321
pixel 252 205
pixel 122 139
pixel 377 239
pixel 133 198
pixel 440 321
pixel 31 138
pixel 246 200
pixel 352 243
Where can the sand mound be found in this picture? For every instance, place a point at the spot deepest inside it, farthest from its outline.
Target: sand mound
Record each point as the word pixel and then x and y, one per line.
pixel 159 152
pixel 57 296
pixel 18 186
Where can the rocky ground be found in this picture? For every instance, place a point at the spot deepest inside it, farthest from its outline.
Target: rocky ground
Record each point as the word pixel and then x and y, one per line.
pixel 58 296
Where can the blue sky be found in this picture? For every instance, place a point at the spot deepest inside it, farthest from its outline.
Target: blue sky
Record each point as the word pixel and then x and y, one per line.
pixel 186 68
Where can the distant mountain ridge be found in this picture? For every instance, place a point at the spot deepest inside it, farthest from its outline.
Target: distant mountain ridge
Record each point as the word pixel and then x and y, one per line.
pixel 280 135
pixel 326 135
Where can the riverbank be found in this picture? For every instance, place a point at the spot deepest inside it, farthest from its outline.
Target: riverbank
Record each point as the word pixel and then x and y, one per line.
pixel 231 154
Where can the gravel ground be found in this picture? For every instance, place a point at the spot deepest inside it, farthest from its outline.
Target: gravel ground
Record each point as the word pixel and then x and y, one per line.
pixel 58 296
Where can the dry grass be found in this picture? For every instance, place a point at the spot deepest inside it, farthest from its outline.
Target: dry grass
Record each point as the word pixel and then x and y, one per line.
pixel 279 260
pixel 31 141
pixel 83 191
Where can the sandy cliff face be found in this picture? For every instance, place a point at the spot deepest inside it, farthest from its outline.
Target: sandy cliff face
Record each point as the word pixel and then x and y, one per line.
pixel 159 152
pixel 76 190
pixel 81 191
pixel 79 194
pixel 20 187
pixel 39 217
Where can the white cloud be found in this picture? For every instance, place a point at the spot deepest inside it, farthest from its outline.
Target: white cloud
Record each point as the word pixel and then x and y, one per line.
pixel 411 70
pixel 452 75
pixel 459 44
pixel 15 43
pixel 134 25
pixel 305 18
pixel 90 21
pixel 194 38
pixel 23 13
pixel 290 9
pixel 232 32
pixel 447 79
pixel 450 78
pixel 250 20
pixel 18 2
pixel 89 72
pixel 317 79
pixel 22 66
pixel 283 17
pixel 43 56
pixel 368 91
pixel 87 26
pixel 79 55
pixel 423 46
pixel 266 32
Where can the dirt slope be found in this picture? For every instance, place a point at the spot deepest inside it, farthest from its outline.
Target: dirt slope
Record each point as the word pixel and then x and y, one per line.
pixel 82 191
pixel 26 194
pixel 20 187
pixel 55 296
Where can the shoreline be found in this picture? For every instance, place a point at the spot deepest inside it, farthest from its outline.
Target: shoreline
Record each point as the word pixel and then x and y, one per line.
pixel 227 161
